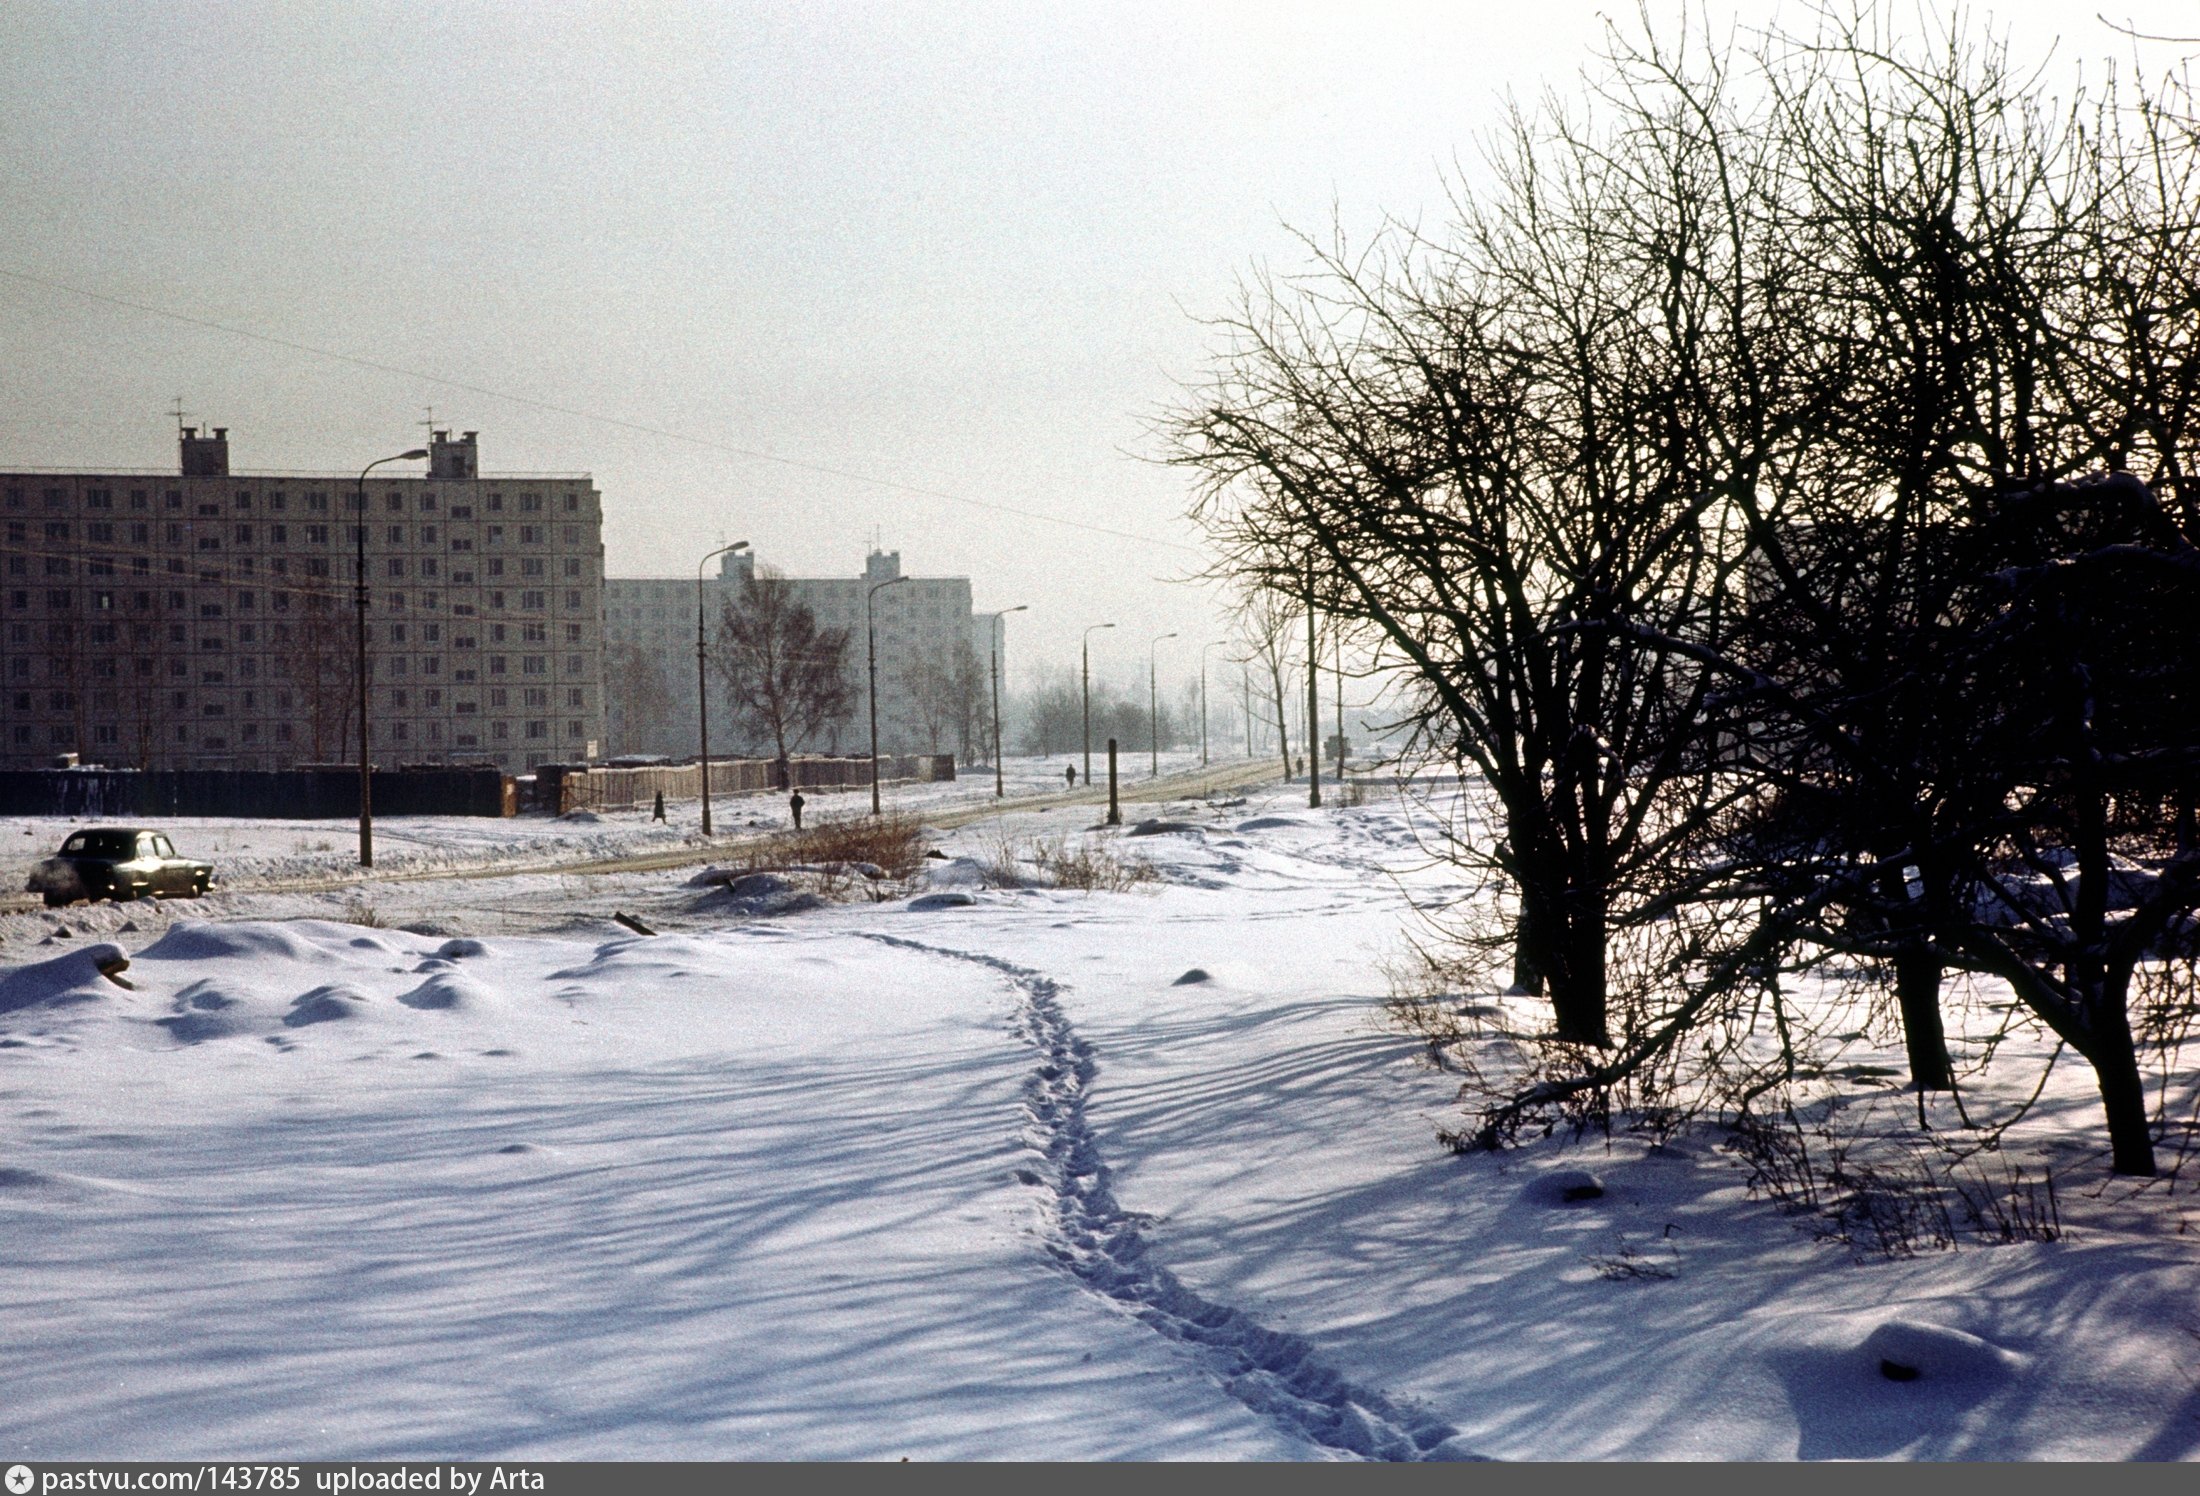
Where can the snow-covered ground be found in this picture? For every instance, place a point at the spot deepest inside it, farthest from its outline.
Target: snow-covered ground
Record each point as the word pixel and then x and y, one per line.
pixel 974 1172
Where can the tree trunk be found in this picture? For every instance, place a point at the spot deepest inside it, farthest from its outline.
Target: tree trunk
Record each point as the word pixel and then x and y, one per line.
pixel 1578 997
pixel 1527 977
pixel 2123 1094
pixel 1917 990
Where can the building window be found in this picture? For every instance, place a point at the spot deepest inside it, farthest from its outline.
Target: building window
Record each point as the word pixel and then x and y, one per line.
pixel 538 729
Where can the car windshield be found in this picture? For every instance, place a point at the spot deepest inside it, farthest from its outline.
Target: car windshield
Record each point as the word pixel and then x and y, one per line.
pixel 102 844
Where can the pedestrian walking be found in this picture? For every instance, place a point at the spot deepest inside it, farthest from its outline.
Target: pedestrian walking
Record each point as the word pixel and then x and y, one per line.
pixel 1069 773
pixel 658 813
pixel 795 802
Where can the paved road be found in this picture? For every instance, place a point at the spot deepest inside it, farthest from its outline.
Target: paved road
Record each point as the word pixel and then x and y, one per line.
pixel 1181 786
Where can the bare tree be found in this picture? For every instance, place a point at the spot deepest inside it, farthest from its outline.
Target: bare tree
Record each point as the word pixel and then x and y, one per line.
pixel 786 677
pixel 639 699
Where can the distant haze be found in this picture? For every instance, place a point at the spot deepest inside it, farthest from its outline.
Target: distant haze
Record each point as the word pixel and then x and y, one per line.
pixel 959 247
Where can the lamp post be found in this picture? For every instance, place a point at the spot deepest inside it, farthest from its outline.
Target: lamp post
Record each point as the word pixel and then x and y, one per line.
pixel 870 646
pixel 1088 696
pixel 359 540
pixel 1153 703
pixel 1210 644
pixel 1000 787
pixel 702 676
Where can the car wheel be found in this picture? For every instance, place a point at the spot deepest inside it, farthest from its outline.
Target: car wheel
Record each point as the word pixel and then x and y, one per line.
pixel 122 893
pixel 56 900
pixel 200 887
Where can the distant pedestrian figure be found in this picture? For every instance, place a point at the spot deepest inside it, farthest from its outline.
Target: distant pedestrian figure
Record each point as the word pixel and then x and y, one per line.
pixel 1069 772
pixel 795 802
pixel 658 813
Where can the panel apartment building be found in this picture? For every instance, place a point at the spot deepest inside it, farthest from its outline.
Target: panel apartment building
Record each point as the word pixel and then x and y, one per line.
pixel 205 618
pixel 924 624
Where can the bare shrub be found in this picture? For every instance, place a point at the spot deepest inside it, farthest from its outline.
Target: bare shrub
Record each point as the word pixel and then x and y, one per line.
pixel 1003 863
pixel 1905 1199
pixel 893 844
pixel 360 912
pixel 1090 864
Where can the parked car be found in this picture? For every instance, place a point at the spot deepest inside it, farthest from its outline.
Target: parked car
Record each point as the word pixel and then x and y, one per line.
pixel 121 863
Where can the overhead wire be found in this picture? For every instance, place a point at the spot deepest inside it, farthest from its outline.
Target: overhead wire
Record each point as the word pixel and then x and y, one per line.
pixel 580 413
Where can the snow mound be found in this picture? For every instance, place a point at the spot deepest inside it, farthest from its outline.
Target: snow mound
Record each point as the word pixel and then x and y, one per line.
pixel 1564 1187
pixel 199 940
pixel 1269 823
pixel 459 950
pixel 1903 1350
pixel 953 898
pixel 1195 975
pixel 449 992
pixel 958 872
pixel 326 1004
pixel 757 885
pixel 1158 827
pixel 76 977
pixel 203 1011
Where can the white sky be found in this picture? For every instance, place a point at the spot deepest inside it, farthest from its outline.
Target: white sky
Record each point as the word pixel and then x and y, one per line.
pixel 959 247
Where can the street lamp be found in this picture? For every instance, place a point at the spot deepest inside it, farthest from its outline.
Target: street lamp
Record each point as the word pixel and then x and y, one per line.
pixel 359 540
pixel 1088 696
pixel 870 643
pixel 702 675
pixel 1000 788
pixel 1153 708
pixel 1210 644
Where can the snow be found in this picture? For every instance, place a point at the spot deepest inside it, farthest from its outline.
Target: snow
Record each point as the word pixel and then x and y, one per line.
pixel 971 1172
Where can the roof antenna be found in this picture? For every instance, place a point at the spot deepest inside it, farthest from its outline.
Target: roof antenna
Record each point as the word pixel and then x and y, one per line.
pixel 430 422
pixel 179 413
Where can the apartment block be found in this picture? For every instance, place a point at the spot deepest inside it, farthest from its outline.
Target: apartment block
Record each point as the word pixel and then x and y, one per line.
pixel 933 655
pixel 206 618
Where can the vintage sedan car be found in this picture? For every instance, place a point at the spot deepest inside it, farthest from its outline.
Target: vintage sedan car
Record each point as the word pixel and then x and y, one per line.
pixel 118 862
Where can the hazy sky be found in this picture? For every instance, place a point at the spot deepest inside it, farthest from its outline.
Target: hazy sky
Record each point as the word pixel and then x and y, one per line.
pixel 957 247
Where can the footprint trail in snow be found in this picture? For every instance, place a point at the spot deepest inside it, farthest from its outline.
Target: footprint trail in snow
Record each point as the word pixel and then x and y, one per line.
pixel 1277 1375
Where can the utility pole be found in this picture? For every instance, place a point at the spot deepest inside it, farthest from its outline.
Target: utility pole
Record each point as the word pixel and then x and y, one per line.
pixel 1313 699
pixel 1153 700
pixel 994 638
pixel 1115 807
pixel 702 677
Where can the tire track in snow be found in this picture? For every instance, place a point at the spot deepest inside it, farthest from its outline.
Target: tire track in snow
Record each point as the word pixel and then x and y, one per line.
pixel 1277 1375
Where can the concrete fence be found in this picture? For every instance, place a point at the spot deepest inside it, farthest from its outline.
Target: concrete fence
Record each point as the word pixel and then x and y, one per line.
pixel 564 787
pixel 331 792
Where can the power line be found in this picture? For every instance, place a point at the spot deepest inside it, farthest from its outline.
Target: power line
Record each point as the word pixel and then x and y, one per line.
pixel 553 408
